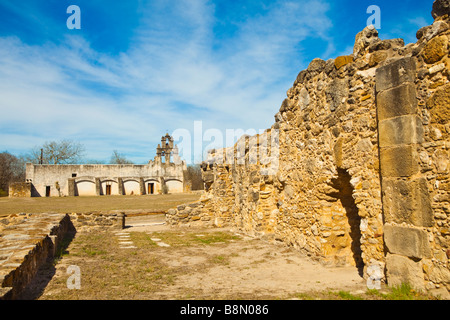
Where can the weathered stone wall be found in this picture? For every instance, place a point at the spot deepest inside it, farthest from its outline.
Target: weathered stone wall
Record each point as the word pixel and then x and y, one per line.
pixel 432 155
pixel 20 190
pixel 192 214
pixel 363 173
pixel 97 221
pixel 27 241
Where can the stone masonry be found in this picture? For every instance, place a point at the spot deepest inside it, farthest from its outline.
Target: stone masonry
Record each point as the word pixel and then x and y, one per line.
pixel 28 241
pixel 363 174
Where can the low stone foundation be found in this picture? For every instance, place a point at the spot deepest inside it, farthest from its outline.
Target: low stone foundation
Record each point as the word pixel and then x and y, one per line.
pixel 95 221
pixel 193 214
pixel 20 190
pixel 27 241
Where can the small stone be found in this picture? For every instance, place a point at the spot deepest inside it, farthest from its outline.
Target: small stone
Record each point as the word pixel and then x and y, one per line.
pixel 126 242
pixel 435 49
pixel 162 244
pixel 317 65
pixel 342 61
pixel 436 68
pixel 377 57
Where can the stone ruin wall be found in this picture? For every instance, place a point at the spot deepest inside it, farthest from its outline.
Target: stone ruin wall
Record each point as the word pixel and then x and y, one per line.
pixel 363 172
pixel 28 241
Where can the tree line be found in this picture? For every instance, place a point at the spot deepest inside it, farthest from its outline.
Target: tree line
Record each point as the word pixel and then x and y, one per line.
pixel 12 168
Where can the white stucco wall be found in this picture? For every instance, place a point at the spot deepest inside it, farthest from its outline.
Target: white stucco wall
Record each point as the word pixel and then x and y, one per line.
pixel 43 176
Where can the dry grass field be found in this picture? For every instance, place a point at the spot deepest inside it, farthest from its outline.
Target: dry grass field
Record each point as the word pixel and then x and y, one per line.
pixel 166 263
pixel 149 203
pixel 149 260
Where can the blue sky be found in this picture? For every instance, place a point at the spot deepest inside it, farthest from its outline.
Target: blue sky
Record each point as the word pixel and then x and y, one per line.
pixel 138 69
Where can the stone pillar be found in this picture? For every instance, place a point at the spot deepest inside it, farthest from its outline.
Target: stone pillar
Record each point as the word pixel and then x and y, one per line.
pixel 98 187
pixel 120 224
pixel 142 186
pixel 71 187
pixel 404 191
pixel 120 186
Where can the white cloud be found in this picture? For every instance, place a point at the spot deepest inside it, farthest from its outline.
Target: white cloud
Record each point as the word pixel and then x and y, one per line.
pixel 172 74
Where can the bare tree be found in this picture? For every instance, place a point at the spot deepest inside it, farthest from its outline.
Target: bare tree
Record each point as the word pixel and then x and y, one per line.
pixel 12 169
pixel 57 152
pixel 118 158
pixel 193 174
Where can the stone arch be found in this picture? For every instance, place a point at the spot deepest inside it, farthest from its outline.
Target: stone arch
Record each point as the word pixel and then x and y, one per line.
pixel 131 186
pixel 149 189
pixel 109 186
pixel 85 187
pixel 174 185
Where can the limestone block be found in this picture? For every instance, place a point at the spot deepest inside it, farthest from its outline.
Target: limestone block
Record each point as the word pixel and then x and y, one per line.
pixel 377 57
pixel 395 73
pixel 407 241
pixel 304 99
pixel 439 274
pixel 407 201
pixel 336 91
pixel 337 150
pixel 400 269
pixel 171 212
pixel 397 101
pixel 341 61
pixel 439 105
pixel 401 161
pixel 435 49
pixel 400 130
pixel 317 65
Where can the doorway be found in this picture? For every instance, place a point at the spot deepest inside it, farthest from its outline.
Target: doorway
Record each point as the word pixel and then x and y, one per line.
pixel 151 188
pixel 47 191
pixel 346 204
pixel 108 189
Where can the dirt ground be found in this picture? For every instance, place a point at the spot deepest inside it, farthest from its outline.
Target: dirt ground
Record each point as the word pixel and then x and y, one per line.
pixel 255 268
pixel 152 261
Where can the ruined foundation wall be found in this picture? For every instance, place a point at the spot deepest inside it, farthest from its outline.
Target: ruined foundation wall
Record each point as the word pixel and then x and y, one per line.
pixel 20 190
pixel 363 173
pixel 28 241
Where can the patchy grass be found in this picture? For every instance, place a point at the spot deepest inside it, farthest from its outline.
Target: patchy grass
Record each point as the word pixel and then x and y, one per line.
pixel 108 272
pixel 177 239
pixel 403 292
pixel 220 259
pixel 156 203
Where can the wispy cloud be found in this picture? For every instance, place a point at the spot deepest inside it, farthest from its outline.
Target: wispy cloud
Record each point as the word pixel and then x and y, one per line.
pixel 175 71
